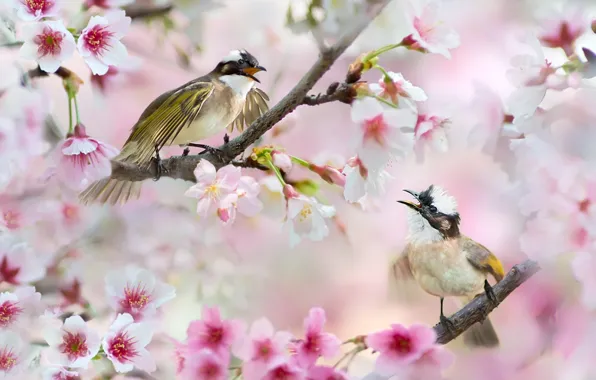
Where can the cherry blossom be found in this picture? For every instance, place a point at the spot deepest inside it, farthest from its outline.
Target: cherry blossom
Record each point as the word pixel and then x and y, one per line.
pixel 395 88
pixel 329 174
pixel 281 160
pixel 430 130
pixel 379 137
pixel 214 333
pixel 18 263
pixel 13 351
pixel 137 292
pixel 244 200
pixel 428 32
pixel 583 264
pixel 59 373
pixel 272 197
pixel 561 29
pixel 73 344
pixel 205 364
pixel 33 10
pixel 49 43
pixel 108 4
pixel 213 186
pixel 400 346
pixel 284 369
pixel 306 218
pixel 316 343
pixel 430 365
pixel 99 43
pixel 82 160
pixel 361 182
pixel 326 373
pixel 17 308
pixel 260 348
pixel 125 343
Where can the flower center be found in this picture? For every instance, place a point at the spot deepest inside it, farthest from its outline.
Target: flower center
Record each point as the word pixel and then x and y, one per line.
pixel 38 5
pixel 7 359
pixel 209 371
pixel 584 205
pixel 401 344
pixel 305 213
pixel 70 212
pixel 97 39
pixel 215 335
pixel 49 42
pixel 135 298
pixel 375 129
pixel 212 191
pixel 7 273
pixel 74 345
pixel 122 348
pixel 9 311
pixel 11 219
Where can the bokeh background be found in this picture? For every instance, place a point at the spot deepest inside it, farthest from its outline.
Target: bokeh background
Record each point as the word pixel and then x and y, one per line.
pixel 248 269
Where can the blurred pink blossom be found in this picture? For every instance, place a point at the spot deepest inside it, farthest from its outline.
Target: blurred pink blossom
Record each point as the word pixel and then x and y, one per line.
pixel 260 348
pixel 272 198
pixel 73 344
pixel 33 10
pixel 379 138
pixel 361 182
pixel 400 346
pixel 329 174
pixel 125 342
pixel 281 160
pixel 430 131
pixel 18 262
pixel 583 265
pixel 396 88
pixel 320 372
pixel 107 4
pixel 137 291
pixel 13 355
pixel 49 43
pixel 205 364
pixel 306 217
pixel 283 368
pixel 99 43
pixel 19 307
pixel 213 186
pixel 561 30
pixel 59 373
pixel 316 343
pixel 82 159
pixel 214 333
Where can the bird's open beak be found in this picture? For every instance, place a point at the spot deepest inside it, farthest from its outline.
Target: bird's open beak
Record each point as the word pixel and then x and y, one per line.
pixel 411 204
pixel 251 71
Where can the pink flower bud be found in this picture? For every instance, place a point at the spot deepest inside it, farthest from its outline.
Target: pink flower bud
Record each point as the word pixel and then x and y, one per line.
pixel 290 192
pixel 281 160
pixel 329 174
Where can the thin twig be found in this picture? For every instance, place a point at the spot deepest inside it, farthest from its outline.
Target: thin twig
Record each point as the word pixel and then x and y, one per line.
pixel 136 12
pixel 479 308
pixel 181 167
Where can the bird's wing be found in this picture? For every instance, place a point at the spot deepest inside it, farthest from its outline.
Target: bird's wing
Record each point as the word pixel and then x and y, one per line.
pixel 254 106
pixel 482 259
pixel 165 117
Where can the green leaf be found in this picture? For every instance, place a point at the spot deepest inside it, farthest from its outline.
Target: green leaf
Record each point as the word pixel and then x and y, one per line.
pixel 307 187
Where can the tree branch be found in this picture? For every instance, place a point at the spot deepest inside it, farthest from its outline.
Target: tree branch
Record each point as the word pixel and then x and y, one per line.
pixel 136 12
pixel 182 167
pixel 343 92
pixel 480 307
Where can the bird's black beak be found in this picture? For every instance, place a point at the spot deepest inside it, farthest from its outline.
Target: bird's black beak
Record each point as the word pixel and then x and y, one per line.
pixel 411 204
pixel 251 71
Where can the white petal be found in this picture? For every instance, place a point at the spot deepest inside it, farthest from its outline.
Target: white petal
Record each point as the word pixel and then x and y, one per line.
pixel 144 361
pixel 142 332
pixel 49 64
pixel 123 319
pixel 261 328
pixel 29 50
pixel 145 279
pixel 75 324
pixel 400 118
pixel 525 100
pixel 97 67
pixel 364 109
pixel 116 54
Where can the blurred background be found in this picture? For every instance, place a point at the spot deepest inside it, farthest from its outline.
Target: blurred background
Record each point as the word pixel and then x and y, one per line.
pixel 247 269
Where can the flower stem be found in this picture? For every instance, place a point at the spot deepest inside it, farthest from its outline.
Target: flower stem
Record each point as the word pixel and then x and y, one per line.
pixel 76 104
pixel 70 127
pixel 378 52
pixel 381 69
pixel 300 161
pixel 383 101
pixel 275 169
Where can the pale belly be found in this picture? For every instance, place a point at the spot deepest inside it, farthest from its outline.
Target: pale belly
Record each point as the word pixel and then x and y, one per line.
pixel 443 275
pixel 207 125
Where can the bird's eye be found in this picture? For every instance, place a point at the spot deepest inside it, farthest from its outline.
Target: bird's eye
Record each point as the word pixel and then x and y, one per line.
pixel 432 209
pixel 241 62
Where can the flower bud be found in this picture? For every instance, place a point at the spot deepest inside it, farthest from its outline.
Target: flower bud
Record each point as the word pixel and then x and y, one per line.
pixel 329 174
pixel 290 192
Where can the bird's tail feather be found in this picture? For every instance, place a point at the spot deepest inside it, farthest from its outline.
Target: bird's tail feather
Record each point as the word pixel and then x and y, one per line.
pixel 109 190
pixel 481 334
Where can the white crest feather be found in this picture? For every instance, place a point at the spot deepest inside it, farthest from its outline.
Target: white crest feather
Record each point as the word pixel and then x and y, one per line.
pixel 234 55
pixel 444 202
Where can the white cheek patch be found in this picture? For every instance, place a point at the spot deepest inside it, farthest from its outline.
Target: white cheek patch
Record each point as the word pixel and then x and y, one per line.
pixel 420 231
pixel 444 202
pixel 239 83
pixel 234 55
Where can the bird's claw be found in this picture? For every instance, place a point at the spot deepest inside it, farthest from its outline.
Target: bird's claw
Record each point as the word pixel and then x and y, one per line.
pixel 490 294
pixel 226 138
pixel 220 154
pixel 447 324
pixel 159 166
pixel 185 152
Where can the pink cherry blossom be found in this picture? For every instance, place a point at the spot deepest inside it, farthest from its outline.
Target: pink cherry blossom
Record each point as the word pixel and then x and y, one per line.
pixel 260 348
pixel 213 186
pixel 284 369
pixel 214 333
pixel 395 88
pixel 379 137
pixel 59 373
pixel 430 130
pixel 13 351
pixel 18 263
pixel 306 218
pixel 125 343
pixel 281 160
pixel 180 353
pixel 99 43
pixel 400 346
pixel 137 291
pixel 49 43
pixel 73 344
pixel 83 159
pixel 19 307
pixel 116 77
pixel 33 10
pixel 361 182
pixel 272 197
pixel 316 343
pixel 431 364
pixel 428 32
pixel 244 200
pixel 561 29
pixel 326 373
pixel 205 365
pixel 329 174
pixel 108 4
pixel 583 265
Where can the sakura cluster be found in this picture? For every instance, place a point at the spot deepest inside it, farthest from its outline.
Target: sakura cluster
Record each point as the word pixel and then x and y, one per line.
pixel 213 343
pixel 50 42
